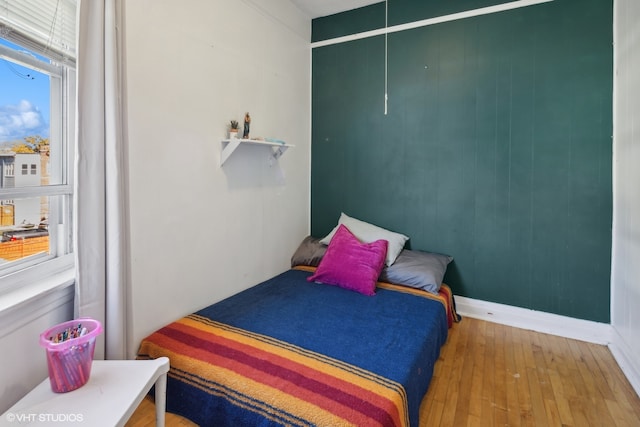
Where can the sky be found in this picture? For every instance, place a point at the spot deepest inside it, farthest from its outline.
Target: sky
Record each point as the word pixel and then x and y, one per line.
pixel 24 101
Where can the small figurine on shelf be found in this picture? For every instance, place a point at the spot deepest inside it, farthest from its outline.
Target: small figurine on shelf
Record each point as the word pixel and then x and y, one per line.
pixel 233 129
pixel 247 120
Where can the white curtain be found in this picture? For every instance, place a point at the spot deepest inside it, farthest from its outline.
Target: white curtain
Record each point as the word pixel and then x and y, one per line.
pixel 100 206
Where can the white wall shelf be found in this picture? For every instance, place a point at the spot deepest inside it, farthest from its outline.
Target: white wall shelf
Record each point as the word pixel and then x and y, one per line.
pixel 230 145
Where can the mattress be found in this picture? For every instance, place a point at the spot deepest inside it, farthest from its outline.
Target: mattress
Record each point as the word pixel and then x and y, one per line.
pixel 292 352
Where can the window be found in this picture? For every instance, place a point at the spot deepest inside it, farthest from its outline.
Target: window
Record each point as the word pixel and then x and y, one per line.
pixel 37 106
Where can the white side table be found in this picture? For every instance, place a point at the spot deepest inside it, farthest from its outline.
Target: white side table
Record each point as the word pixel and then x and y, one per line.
pixel 112 394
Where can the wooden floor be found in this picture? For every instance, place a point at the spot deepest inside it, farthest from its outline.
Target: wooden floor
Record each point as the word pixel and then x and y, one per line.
pixel 495 375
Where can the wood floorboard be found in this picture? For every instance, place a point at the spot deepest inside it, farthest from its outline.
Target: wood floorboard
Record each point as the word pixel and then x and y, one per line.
pixel 494 375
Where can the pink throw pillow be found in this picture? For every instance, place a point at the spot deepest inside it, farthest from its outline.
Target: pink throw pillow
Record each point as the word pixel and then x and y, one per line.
pixel 350 264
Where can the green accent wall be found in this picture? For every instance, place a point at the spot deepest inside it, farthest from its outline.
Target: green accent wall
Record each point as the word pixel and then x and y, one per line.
pixel 496 148
pixel 403 11
pixel 372 17
pixel 351 22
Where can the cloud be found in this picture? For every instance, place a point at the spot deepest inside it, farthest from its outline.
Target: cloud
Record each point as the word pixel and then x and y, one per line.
pixel 18 121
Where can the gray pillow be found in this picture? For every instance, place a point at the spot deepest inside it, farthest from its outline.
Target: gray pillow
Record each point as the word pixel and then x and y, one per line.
pixel 417 269
pixel 310 252
pixel 422 270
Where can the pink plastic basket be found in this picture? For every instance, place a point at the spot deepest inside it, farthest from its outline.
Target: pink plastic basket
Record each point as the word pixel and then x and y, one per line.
pixel 69 359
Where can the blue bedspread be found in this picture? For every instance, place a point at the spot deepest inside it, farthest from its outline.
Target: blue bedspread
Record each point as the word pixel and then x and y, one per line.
pixel 392 335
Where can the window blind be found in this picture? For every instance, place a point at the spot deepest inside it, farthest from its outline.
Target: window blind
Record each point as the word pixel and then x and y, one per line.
pixel 47 27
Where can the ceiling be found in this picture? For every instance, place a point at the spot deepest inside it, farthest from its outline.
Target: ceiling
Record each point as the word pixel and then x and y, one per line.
pixel 317 8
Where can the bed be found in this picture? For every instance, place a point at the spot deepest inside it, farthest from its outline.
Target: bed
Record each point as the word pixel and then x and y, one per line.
pixel 295 351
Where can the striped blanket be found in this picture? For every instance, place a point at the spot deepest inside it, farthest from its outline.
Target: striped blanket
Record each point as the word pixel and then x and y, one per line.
pixel 290 352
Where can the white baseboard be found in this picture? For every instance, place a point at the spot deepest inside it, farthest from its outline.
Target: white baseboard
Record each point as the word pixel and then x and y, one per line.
pixel 554 324
pixel 539 321
pixel 626 360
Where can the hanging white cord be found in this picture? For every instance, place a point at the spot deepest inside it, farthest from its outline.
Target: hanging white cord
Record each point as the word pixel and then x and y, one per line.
pixel 53 27
pixel 386 56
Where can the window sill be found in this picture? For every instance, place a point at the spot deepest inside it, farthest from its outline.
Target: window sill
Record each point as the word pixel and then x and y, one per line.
pixel 28 302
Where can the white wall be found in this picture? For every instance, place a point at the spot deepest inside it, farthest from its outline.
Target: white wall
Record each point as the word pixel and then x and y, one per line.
pixel 625 297
pixel 200 232
pixel 23 363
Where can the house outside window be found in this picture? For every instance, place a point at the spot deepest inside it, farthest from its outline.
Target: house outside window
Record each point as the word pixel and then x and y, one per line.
pixel 37 122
